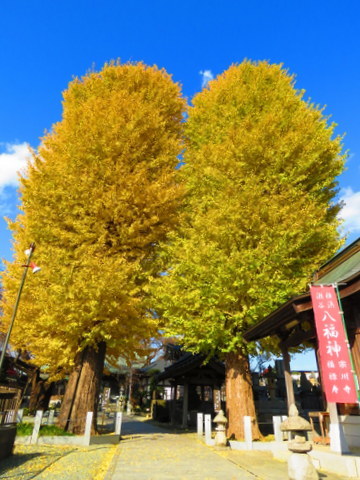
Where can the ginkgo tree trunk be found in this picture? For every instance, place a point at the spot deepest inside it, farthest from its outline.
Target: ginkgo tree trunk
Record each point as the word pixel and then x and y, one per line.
pixel 260 215
pixel 98 197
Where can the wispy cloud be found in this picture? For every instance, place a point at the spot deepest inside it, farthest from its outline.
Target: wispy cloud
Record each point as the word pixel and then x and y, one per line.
pixel 351 210
pixel 206 76
pixel 12 161
pixel 7 206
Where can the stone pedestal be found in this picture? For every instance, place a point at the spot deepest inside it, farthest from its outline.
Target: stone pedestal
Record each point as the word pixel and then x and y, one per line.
pixel 220 436
pixel 300 467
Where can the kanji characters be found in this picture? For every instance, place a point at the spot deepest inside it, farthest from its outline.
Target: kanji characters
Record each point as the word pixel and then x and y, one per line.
pixel 338 380
pixel 330 331
pixel 333 348
pixel 327 316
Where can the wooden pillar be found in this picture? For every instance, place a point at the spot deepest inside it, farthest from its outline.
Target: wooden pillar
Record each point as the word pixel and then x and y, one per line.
pixel 354 339
pixel 185 404
pixel 318 363
pixel 173 404
pixel 355 351
pixel 288 379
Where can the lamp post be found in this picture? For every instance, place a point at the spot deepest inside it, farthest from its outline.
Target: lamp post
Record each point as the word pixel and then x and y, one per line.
pixel 35 269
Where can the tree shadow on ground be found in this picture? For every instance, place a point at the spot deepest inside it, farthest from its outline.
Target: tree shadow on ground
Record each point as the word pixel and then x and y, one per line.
pixel 325 475
pixel 135 424
pixel 16 460
pixel 151 427
pixel 20 459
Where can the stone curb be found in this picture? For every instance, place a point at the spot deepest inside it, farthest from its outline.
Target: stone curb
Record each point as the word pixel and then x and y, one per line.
pixel 111 469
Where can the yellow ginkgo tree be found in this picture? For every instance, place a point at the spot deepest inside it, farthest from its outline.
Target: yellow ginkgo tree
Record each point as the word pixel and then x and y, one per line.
pixel 260 216
pixel 98 197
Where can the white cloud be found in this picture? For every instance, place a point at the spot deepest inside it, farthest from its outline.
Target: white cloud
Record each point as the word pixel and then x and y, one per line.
pixel 6 204
pixel 12 161
pixel 206 75
pixel 350 213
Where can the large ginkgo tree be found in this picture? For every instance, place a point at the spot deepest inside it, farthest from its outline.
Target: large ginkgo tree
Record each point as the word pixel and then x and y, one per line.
pixel 260 216
pixel 98 197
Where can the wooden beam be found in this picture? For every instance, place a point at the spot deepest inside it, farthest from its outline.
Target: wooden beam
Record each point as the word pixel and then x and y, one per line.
pixel 350 289
pixel 344 292
pixel 297 337
pixel 302 307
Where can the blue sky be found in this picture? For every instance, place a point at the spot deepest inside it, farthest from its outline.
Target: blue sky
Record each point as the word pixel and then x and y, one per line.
pixel 44 44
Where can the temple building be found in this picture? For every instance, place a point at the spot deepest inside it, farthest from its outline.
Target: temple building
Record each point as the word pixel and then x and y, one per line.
pixel 293 324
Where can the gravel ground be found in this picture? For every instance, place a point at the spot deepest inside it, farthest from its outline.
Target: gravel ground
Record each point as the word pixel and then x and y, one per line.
pixel 57 462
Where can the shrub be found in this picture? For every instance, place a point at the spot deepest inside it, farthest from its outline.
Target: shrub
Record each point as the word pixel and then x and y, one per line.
pixel 24 429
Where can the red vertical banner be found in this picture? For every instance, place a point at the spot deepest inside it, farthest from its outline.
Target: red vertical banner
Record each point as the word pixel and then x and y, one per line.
pixel 337 375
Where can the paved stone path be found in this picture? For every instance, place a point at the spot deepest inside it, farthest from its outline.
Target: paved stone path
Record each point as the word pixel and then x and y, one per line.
pixel 147 452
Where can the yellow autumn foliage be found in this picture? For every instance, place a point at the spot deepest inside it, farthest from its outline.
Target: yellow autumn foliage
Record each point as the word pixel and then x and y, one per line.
pixel 97 199
pixel 260 171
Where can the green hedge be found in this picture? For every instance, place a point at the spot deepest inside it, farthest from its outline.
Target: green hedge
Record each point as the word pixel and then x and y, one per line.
pixel 24 429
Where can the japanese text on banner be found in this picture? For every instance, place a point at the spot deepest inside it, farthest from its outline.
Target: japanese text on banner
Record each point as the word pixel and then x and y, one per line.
pixel 337 376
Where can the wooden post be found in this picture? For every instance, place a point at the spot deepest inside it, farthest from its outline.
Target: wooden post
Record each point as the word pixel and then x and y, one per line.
pixel 355 341
pixel 37 425
pixel 173 405
pixel 318 363
pixel 185 404
pixel 288 378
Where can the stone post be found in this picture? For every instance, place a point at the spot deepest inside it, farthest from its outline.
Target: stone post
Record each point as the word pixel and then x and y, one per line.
pixel 37 425
pixel 118 422
pixel 87 434
pixel 51 417
pixel 207 428
pixel 248 432
pixel 277 432
pixel 200 424
pixel 338 441
pixel 19 416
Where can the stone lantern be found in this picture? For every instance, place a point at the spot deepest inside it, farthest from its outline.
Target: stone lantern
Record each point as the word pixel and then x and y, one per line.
pixel 300 466
pixel 220 436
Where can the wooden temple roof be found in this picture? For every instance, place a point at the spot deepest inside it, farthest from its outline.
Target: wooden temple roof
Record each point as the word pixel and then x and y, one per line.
pixel 188 363
pixel 293 321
